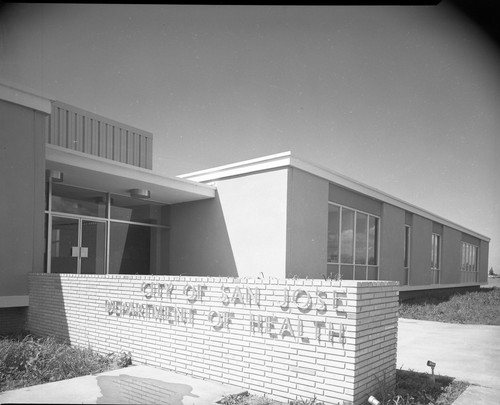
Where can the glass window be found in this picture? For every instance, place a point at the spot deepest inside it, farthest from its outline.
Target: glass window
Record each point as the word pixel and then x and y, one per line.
pixel 406 242
pixel 135 210
pixel 64 240
pixel 361 238
pixel 333 271
pixel 373 241
pixel 347 236
pixel 372 273
pixel 136 249
pixel 469 262
pixel 333 233
pixel 93 247
pixel 85 238
pixel 406 255
pixel 79 201
pixel 352 243
pixel 435 258
pixel 435 251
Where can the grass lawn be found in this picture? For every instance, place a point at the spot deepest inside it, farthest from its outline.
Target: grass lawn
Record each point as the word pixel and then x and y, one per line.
pixel 411 389
pixel 478 308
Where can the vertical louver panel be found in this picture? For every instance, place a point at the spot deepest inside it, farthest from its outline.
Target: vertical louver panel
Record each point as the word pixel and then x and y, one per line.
pixel 83 131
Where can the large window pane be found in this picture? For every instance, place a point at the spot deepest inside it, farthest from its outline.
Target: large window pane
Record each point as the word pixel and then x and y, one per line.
pixel 361 238
pixel 347 272
pixel 74 200
pixel 64 257
pixel 469 262
pixel 347 236
pixel 333 271
pixel 406 243
pixel 135 210
pixel 473 262
pixel 333 233
pixel 136 249
pixel 360 273
pixel 435 251
pixel 352 242
pixel 93 255
pixel 372 273
pixel 373 241
pixel 129 249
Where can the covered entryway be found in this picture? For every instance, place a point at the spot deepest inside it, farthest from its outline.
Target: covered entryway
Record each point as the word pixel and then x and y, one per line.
pixel 97 222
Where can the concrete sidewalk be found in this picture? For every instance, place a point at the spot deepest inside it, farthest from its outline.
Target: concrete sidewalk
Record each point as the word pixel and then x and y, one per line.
pixel 466 352
pixel 130 385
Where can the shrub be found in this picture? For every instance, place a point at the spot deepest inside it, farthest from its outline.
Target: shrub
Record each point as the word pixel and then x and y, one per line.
pixel 27 360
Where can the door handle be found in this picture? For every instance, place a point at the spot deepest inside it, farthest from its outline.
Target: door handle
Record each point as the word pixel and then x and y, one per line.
pixel 79 252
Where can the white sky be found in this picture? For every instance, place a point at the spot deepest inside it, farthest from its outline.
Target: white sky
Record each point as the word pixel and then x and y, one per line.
pixel 405 99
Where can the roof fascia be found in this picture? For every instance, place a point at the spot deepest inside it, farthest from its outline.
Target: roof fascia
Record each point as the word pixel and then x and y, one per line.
pixel 25 99
pixel 56 155
pixel 285 159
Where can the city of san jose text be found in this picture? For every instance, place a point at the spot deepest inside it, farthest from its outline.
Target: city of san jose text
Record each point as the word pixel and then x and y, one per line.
pixel 299 312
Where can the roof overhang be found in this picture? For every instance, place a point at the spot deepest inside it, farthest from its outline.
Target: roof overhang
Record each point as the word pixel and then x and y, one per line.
pixel 92 172
pixel 285 159
pixel 24 98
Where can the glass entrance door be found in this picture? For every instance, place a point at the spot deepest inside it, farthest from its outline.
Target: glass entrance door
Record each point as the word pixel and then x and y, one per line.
pixel 64 241
pixel 78 246
pixel 93 247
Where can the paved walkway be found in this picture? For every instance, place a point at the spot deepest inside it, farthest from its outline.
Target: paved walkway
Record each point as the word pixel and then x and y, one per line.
pixel 130 385
pixel 467 352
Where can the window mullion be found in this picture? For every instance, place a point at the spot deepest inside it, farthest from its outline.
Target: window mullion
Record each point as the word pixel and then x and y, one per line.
pixel 354 237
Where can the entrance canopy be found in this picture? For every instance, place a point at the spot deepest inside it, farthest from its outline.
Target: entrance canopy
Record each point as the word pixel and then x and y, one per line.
pixel 91 172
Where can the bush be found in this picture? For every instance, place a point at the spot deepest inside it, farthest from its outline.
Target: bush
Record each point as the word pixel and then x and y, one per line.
pixel 414 388
pixel 27 360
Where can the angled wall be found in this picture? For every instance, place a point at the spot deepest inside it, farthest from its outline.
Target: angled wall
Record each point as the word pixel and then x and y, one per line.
pixel 241 233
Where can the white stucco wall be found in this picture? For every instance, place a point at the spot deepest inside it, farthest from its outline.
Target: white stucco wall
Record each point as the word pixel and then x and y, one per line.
pixel 240 233
pixel 254 209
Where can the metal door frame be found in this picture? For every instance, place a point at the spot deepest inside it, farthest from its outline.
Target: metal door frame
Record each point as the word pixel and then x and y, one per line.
pixel 80 219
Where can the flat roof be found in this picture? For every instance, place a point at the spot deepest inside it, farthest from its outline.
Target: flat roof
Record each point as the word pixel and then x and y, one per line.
pixel 285 159
pixel 96 173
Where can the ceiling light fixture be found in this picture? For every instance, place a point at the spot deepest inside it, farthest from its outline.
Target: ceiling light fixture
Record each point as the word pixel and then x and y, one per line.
pixel 54 176
pixel 140 193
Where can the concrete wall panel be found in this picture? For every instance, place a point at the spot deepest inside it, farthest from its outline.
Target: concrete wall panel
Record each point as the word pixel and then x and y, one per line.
pixel 307 225
pixel 391 243
pixel 343 196
pixel 420 260
pixel 240 233
pixel 451 256
pixel 22 164
pixel 199 242
pixel 483 262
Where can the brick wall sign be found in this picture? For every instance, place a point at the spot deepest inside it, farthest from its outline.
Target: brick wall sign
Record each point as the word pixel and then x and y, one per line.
pixel 288 339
